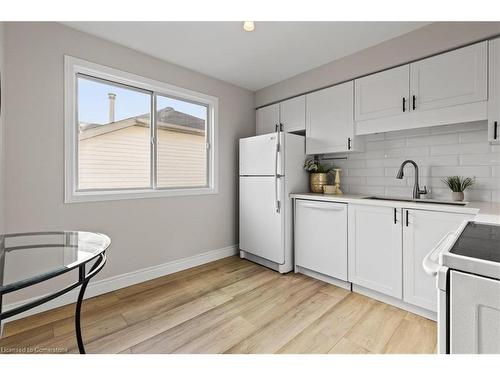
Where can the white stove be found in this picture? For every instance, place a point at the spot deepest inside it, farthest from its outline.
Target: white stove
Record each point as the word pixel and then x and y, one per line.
pixel 467 264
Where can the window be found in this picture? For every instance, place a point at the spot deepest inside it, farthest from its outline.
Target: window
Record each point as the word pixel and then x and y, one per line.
pixel 132 137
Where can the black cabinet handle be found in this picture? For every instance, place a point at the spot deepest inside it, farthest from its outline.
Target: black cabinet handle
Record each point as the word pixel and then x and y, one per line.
pixel 407 218
pixel 404 104
pixel 348 143
pixel 281 127
pixel 275 127
pixel 495 130
pixel 395 217
pixel 414 98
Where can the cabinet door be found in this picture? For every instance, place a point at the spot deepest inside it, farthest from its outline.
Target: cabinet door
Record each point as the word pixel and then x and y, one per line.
pixel 267 118
pixel 382 94
pixel 375 248
pixel 329 120
pixel 474 314
pixel 450 79
pixel 293 114
pixel 421 233
pixel 494 93
pixel 321 237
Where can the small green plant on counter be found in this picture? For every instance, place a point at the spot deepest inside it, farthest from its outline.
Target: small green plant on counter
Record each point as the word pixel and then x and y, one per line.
pixel 314 166
pixel 458 184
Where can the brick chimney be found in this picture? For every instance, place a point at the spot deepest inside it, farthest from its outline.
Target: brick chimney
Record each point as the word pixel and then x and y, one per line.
pixel 111 97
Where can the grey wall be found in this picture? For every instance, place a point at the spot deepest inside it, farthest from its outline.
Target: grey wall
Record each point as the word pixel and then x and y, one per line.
pixel 440 151
pixel 145 232
pixel 428 40
pixel 2 115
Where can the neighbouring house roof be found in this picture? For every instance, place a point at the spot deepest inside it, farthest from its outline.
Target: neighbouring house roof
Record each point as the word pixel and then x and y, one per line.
pixel 167 118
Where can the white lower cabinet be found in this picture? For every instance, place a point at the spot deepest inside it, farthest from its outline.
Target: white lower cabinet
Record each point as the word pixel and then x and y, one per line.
pixel 422 231
pixel 474 314
pixel 375 248
pixel 321 237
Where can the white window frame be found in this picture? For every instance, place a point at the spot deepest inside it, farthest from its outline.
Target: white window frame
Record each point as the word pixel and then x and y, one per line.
pixel 72 68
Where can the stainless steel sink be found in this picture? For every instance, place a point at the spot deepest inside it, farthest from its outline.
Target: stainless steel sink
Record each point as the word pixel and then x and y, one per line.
pixel 428 201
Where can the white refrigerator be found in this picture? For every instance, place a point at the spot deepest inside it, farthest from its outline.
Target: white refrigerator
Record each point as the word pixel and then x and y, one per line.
pixel 271 167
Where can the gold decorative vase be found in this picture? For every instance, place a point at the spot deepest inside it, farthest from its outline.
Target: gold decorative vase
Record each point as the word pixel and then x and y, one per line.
pixel 317 181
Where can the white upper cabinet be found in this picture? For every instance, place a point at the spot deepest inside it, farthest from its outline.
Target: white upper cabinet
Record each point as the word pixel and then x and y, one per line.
pixel 329 120
pixel 382 94
pixel 450 79
pixel 422 231
pixel 293 114
pixel 444 89
pixel 267 119
pixel 375 248
pixel 494 91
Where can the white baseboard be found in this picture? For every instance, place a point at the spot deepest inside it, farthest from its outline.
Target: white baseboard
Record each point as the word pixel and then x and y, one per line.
pixel 395 302
pixel 327 279
pixel 121 281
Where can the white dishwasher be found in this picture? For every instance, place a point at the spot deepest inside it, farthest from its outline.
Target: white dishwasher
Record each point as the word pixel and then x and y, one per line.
pixel 321 237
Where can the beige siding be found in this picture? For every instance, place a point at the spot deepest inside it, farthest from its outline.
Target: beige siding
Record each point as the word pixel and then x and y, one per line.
pixel 120 159
pixel 181 159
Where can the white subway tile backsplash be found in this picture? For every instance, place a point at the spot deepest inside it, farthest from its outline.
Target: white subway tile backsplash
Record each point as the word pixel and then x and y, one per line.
pixel 460 149
pixel 365 190
pixel 382 145
pixel 477 171
pixel 366 171
pixel 385 181
pixel 477 195
pixel 431 140
pixel 352 180
pixel 475 136
pixel 480 159
pixel 398 191
pixel 495 172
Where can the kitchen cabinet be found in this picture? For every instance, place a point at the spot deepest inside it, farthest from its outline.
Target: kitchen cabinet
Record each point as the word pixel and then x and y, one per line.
pixel 494 91
pixel 383 94
pixel 290 114
pixel 375 248
pixel 330 120
pixel 321 237
pixel 293 114
pixel 474 314
pixel 450 79
pixel 422 231
pixel 448 88
pixel 267 118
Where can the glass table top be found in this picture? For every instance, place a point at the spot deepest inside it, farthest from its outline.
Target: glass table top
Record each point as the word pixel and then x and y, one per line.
pixel 28 256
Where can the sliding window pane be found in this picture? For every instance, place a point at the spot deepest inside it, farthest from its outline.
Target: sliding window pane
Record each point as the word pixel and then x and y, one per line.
pixel 114 130
pixel 181 143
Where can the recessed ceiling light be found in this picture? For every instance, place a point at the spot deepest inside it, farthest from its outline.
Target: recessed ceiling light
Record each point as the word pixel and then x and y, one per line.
pixel 248 26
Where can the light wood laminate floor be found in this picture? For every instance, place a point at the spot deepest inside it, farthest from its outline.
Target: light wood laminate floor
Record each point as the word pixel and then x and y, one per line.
pixel 227 306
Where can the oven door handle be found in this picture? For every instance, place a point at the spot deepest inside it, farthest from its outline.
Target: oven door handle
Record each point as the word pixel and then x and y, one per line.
pixel 431 260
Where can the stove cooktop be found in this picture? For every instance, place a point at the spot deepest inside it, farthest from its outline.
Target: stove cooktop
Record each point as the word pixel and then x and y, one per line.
pixel 480 241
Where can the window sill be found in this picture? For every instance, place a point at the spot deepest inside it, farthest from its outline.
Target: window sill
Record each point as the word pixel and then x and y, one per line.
pixel 112 195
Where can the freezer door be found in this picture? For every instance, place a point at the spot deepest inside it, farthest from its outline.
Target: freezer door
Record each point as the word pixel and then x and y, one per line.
pixel 259 156
pixel 261 226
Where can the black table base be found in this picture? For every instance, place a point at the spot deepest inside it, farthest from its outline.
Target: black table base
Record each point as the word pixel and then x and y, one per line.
pixel 83 281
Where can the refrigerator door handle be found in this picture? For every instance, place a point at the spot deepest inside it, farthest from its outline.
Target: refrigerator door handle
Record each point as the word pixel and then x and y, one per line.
pixel 276 175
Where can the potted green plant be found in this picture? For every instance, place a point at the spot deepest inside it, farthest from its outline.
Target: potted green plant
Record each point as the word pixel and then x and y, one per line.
pixel 458 185
pixel 318 175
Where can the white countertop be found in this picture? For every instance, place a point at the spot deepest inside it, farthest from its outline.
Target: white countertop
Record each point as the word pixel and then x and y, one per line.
pixel 487 212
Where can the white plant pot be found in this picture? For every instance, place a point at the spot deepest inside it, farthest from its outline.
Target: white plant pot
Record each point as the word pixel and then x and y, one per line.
pixel 457 196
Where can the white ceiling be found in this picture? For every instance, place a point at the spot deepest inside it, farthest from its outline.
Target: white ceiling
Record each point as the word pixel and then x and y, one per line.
pixel 273 52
